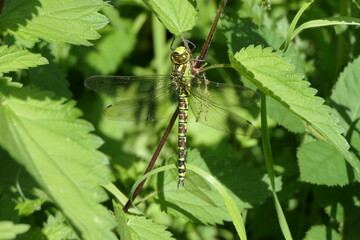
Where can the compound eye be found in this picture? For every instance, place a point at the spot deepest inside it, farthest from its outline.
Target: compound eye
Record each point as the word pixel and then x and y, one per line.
pixel 180 57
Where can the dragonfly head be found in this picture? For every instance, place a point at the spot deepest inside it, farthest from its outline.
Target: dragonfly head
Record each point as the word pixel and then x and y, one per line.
pixel 180 55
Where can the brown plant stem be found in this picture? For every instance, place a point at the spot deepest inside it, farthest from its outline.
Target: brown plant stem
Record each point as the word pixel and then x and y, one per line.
pixel 2 3
pixel 153 159
pixel 207 43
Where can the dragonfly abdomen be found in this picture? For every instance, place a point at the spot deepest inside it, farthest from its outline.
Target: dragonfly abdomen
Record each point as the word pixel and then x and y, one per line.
pixel 183 117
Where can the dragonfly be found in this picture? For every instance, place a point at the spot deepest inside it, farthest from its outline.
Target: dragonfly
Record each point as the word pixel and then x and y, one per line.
pixel 153 97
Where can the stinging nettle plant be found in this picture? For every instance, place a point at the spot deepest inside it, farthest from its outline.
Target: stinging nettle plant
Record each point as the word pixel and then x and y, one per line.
pixel 65 171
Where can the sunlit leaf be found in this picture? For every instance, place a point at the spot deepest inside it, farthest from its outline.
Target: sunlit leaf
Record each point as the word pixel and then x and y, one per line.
pixel 322 232
pixel 178 16
pixel 65 21
pixel 9 230
pixel 56 148
pixel 275 75
pixel 135 227
pixel 13 58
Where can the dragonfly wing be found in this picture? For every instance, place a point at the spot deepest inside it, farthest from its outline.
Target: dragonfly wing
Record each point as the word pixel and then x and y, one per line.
pixel 213 115
pixel 228 95
pixel 148 107
pixel 118 86
pixel 145 98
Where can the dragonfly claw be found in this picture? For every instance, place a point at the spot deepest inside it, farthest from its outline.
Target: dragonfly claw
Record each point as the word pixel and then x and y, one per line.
pixel 180 181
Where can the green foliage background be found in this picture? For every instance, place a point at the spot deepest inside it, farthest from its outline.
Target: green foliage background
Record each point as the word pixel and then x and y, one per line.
pixel 65 171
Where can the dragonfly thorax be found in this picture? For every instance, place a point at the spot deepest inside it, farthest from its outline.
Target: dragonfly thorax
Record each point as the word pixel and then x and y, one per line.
pixel 180 56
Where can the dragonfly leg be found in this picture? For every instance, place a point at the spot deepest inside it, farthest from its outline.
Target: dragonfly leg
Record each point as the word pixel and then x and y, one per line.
pixel 180 181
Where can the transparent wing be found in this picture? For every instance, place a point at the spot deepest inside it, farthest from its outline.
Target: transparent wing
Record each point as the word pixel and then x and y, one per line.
pixel 136 85
pixel 212 114
pixel 227 95
pixel 146 98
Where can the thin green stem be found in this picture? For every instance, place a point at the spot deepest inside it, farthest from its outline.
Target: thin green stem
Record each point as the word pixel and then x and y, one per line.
pixel 270 168
pixel 215 66
pixel 266 142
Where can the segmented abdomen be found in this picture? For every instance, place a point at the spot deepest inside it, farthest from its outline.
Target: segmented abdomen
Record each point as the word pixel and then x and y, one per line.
pixel 183 117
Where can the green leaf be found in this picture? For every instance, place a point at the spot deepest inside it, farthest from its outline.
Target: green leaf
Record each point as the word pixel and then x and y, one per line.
pixel 322 232
pixel 196 201
pixel 134 227
pixel 147 229
pixel 57 228
pixel 345 99
pixel 284 117
pixel 50 77
pixel 65 21
pixel 9 230
pixel 331 21
pixel 246 185
pixel 275 76
pixel 241 33
pixel 14 58
pixel 320 163
pixel 178 16
pixel 122 228
pixel 230 204
pixel 201 184
pixel 8 208
pixel 55 147
pixel 28 207
pixel 282 220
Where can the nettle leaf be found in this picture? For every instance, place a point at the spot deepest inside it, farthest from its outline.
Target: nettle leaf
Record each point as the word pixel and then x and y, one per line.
pixel 241 33
pixel 284 117
pixel 56 148
pixel 345 99
pixel 28 207
pixel 64 21
pixel 8 207
pixel 56 227
pixel 135 227
pixel 199 201
pixel 322 232
pixel 320 163
pixel 275 75
pixel 14 58
pixel 123 230
pixel 9 230
pixel 147 229
pixel 178 16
